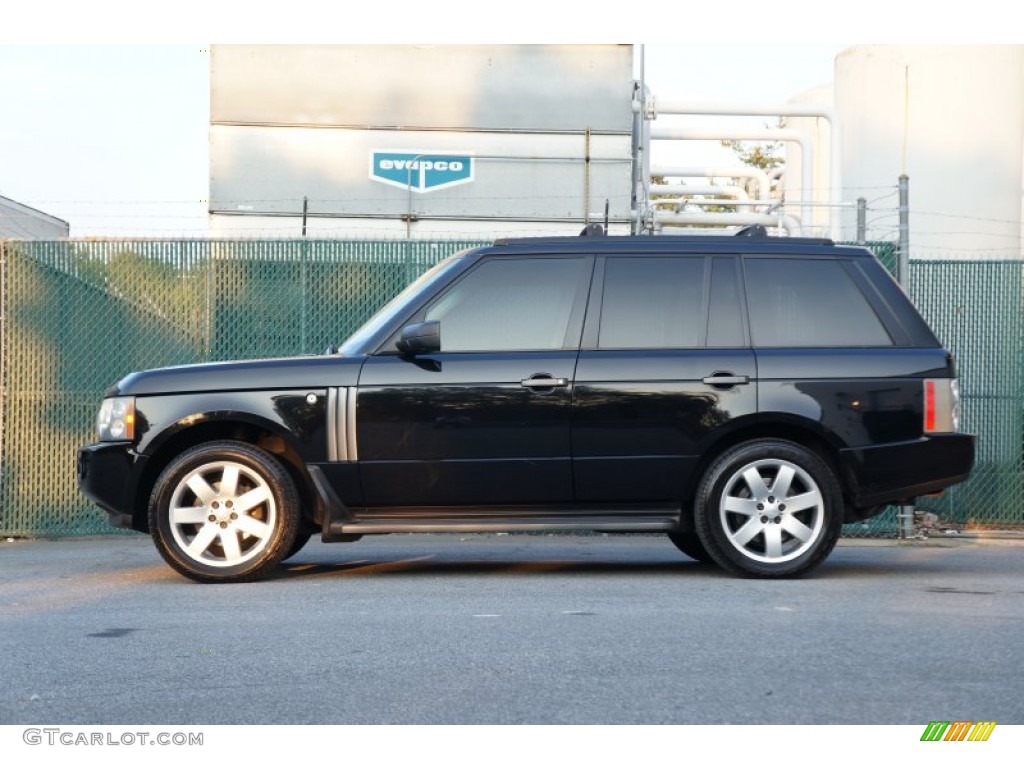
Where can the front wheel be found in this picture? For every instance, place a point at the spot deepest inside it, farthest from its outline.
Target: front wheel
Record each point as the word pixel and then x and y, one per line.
pixel 224 511
pixel 769 508
pixel 301 539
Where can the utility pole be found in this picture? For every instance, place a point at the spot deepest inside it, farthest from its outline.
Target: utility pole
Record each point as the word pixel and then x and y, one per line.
pixel 303 298
pixel 906 513
pixel 904 246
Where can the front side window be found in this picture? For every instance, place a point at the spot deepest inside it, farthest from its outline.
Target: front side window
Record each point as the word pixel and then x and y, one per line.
pixel 511 304
pixel 809 303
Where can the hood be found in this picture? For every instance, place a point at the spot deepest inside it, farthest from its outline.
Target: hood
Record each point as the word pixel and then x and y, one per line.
pixel 308 372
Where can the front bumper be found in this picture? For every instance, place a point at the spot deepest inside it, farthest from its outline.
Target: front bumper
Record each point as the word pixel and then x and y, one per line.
pixel 890 473
pixel 108 475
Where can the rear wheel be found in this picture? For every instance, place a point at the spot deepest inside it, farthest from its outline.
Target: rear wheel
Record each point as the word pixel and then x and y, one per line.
pixel 769 508
pixel 224 511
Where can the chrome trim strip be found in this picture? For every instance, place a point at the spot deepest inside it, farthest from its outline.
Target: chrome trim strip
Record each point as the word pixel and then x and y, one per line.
pixel 332 423
pixel 352 446
pixel 341 422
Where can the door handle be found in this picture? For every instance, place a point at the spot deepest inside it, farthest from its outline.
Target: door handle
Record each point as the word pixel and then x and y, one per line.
pixel 725 379
pixel 544 381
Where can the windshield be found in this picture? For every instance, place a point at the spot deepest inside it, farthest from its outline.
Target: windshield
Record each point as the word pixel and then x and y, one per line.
pixel 383 317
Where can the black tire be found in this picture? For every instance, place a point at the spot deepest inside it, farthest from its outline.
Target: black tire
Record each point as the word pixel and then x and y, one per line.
pixel 301 539
pixel 769 509
pixel 224 511
pixel 688 542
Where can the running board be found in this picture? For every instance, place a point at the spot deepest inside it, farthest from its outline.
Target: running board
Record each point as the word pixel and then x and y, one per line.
pixel 620 523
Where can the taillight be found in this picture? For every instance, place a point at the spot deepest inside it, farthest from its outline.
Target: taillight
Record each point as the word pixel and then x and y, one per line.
pixel 941 406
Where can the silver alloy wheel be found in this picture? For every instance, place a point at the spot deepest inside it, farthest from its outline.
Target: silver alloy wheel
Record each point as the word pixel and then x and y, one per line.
pixel 772 511
pixel 222 514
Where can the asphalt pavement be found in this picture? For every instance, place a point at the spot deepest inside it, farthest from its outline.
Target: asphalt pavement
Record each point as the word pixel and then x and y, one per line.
pixel 509 629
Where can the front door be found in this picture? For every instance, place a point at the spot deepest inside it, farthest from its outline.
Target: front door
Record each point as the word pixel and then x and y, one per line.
pixel 485 421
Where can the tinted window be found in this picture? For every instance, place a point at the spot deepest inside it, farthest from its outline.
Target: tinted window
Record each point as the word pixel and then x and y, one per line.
pixel 918 332
pixel 510 304
pixel 652 303
pixel 808 303
pixel 725 320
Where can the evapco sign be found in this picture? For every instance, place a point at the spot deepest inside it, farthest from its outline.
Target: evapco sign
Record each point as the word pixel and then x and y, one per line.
pixel 420 171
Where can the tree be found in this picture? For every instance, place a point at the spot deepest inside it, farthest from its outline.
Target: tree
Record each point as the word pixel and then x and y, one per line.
pixel 766 157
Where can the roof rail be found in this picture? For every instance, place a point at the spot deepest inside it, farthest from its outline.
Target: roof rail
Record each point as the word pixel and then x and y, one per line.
pixel 754 230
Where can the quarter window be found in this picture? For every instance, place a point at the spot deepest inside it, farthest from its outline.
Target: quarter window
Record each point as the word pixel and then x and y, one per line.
pixel 808 303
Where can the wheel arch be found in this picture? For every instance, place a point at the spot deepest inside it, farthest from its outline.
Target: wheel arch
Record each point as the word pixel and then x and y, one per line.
pixel 255 431
pixel 803 432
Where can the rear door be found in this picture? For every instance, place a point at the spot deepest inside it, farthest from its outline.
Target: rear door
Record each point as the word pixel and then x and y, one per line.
pixel 665 363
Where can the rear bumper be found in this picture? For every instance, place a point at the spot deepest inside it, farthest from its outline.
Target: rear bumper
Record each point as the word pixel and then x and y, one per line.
pixel 889 473
pixel 108 476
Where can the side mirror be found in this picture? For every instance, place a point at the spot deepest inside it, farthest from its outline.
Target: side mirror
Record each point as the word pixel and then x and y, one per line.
pixel 420 338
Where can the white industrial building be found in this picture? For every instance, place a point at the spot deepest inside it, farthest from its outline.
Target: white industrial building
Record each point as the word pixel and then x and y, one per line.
pixel 421 141
pixel 480 141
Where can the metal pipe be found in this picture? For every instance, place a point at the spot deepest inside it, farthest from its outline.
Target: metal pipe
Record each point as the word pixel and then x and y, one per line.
pixel 710 189
pixel 680 107
pixel 680 196
pixel 712 172
pixel 764 134
pixel 636 184
pixel 638 195
pixel 788 223
pixel 304 298
pixel 906 513
pixel 732 203
pixel 586 178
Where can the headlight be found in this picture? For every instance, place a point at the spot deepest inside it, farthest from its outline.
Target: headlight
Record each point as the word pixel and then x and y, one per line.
pixel 116 420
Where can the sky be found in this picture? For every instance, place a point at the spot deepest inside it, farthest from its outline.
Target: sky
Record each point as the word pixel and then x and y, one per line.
pixel 114 138
pixel 104 116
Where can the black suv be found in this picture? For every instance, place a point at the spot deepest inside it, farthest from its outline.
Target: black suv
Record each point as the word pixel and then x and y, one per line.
pixel 744 395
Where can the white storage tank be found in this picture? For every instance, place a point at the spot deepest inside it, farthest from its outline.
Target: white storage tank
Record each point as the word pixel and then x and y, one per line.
pixel 951 117
pixel 819 130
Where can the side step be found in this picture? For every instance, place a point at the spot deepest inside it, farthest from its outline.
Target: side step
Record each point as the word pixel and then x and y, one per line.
pixel 620 523
pixel 341 523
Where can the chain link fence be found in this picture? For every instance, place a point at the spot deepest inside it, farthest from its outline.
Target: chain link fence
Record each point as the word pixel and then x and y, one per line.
pixel 78 315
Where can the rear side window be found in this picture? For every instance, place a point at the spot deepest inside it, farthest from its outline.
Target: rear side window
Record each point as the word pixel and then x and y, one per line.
pixel 652 303
pixel 808 303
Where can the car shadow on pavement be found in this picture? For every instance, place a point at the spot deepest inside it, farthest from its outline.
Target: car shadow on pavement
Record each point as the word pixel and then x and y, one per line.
pixel 432 565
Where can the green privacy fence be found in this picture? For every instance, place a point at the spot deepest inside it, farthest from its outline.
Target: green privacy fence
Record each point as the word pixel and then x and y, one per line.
pixel 78 315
